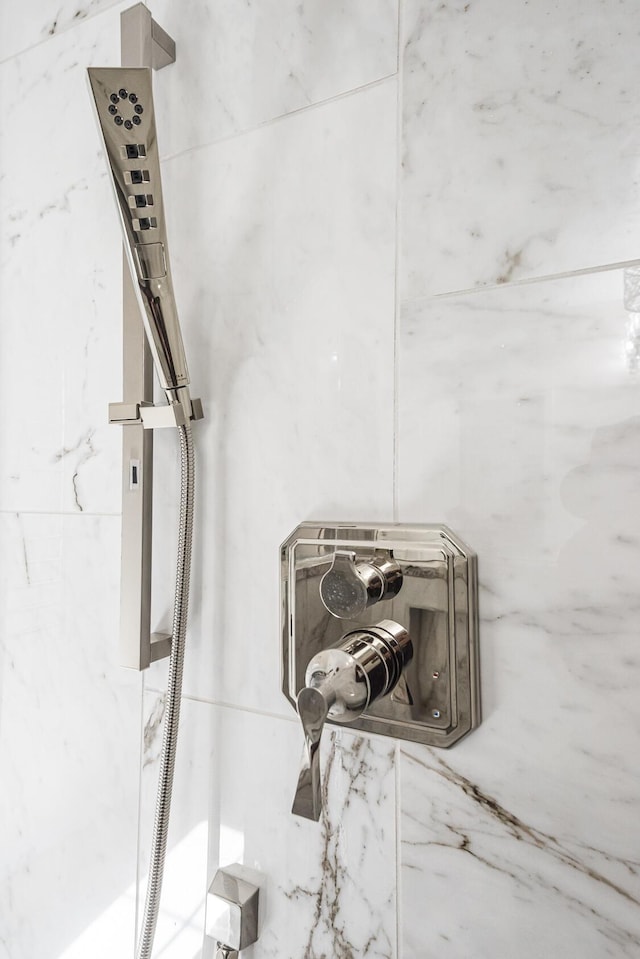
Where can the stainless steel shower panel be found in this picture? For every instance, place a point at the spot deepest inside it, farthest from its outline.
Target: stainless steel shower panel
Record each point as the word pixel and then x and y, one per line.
pixel 123 99
pixel 123 102
pixel 143 44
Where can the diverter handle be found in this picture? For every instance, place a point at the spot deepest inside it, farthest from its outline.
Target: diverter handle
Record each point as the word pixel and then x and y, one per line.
pixel 313 709
pixel 341 682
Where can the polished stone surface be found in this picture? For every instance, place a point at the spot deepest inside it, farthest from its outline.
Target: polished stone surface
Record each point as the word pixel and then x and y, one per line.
pixel 69 742
pixel 520 137
pixel 525 438
pixel 325 886
pixel 286 314
pixel 245 64
pixel 316 199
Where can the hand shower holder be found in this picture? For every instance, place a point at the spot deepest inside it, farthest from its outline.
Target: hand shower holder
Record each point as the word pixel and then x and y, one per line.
pixel 144 44
pixel 152 417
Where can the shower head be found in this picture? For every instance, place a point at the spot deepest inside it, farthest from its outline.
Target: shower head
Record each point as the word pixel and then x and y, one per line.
pixel 123 101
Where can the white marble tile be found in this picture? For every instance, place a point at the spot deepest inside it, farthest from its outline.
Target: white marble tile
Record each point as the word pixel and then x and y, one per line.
pixel 329 887
pixel 520 140
pixel 69 741
pixel 30 23
pixel 241 64
pixel 60 268
pixel 486 874
pixel 286 287
pixel 519 428
pixel 180 928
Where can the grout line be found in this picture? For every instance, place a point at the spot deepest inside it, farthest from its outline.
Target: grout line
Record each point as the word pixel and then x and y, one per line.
pixel 227 705
pixel 398 257
pixel 56 512
pixel 396 417
pixel 527 281
pixel 398 839
pixel 272 121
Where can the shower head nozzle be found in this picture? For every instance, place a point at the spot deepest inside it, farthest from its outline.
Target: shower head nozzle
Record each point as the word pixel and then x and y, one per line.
pixel 123 101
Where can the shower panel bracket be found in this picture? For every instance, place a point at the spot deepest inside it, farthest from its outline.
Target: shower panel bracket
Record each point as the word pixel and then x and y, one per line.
pixel 152 417
pixel 143 43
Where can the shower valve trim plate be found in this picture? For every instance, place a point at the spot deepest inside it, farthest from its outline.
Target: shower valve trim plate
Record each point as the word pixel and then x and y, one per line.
pixel 380 631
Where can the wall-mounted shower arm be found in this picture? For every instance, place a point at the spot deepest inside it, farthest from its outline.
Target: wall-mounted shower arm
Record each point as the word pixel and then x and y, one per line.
pixel 143 42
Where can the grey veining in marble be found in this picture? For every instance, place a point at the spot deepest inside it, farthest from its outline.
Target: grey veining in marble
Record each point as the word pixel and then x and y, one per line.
pixel 249 63
pixel 40 20
pixel 519 427
pixel 495 880
pixel 329 886
pixel 60 264
pixel 323 223
pixel 69 734
pixel 520 132
pixel 351 771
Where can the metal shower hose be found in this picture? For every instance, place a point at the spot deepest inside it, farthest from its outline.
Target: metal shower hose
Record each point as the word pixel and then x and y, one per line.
pixel 174 691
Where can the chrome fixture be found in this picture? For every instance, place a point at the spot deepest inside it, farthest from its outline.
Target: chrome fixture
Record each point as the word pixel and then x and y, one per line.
pixel 341 683
pixel 413 674
pixel 123 102
pixel 151 332
pixel 348 588
pixel 232 910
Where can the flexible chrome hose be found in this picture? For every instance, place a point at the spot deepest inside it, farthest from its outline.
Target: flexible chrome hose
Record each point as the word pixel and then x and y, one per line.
pixel 174 691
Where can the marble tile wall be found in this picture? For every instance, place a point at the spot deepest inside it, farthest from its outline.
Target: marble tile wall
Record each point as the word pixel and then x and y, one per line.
pixel 520 136
pixel 408 291
pixel 534 460
pixel 70 718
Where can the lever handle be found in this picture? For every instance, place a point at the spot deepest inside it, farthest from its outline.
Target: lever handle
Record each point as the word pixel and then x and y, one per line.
pixel 313 709
pixel 340 684
pixel 348 588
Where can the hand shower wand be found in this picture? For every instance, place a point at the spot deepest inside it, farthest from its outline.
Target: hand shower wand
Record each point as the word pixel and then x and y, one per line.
pixel 123 102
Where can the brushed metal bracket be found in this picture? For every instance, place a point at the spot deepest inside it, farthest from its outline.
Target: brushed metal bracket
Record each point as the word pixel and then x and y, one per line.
pixel 232 917
pixel 153 417
pixel 434 599
pixel 143 43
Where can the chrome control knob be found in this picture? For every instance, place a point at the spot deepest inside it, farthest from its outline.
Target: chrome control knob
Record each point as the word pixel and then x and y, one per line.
pixel 348 588
pixel 340 684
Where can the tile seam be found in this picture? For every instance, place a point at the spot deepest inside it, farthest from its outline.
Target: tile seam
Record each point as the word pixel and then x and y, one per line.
pixel 57 512
pixel 280 118
pixel 396 425
pixel 223 704
pixel 397 306
pixel 526 281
